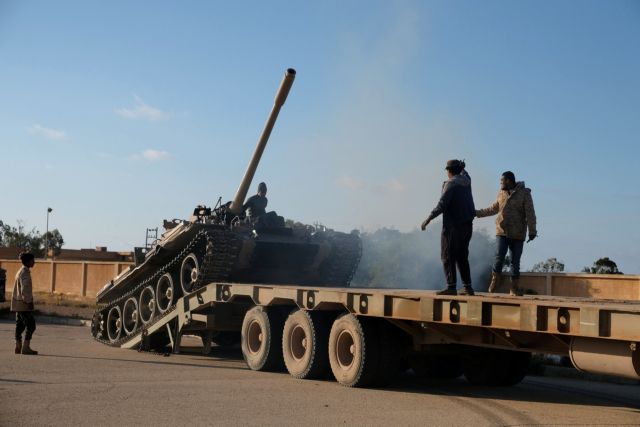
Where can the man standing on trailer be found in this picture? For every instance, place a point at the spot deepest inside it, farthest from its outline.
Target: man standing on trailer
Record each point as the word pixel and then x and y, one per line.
pixel 457 209
pixel 516 214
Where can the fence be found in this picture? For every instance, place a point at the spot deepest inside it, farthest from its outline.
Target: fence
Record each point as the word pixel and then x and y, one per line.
pixel 80 278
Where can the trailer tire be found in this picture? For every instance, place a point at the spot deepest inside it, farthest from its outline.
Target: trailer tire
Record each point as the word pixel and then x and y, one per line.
pixel 389 348
pixel 305 342
pixel 436 366
pixel 354 352
pixel 226 338
pixel 518 367
pixel 496 367
pixel 261 339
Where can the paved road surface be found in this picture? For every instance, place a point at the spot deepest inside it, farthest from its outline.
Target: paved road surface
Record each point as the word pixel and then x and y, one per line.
pixel 77 381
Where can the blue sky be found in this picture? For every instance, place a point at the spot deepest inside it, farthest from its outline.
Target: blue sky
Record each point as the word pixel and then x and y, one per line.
pixel 121 114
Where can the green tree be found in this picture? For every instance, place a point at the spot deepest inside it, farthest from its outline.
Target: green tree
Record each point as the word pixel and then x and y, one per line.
pixel 552 265
pixel 603 266
pixel 19 237
pixel 53 240
pixel 29 240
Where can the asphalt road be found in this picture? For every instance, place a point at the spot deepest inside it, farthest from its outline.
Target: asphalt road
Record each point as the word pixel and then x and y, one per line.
pixel 77 381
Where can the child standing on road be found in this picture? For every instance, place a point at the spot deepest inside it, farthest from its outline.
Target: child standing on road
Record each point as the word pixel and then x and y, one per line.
pixel 22 304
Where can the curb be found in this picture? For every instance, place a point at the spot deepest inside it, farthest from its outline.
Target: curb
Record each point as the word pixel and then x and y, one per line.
pixel 53 320
pixel 68 321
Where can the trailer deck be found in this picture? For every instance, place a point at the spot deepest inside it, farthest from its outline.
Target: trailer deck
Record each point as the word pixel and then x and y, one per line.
pixel 600 335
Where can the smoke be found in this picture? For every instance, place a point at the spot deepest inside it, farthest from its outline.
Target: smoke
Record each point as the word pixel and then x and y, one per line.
pixel 381 153
pixel 411 260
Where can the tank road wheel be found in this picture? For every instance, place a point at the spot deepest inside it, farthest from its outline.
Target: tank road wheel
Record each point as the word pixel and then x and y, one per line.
pixel 165 292
pixel 304 344
pixel 353 351
pixel 261 339
pixel 147 304
pixel 496 367
pixel 189 272
pixel 114 324
pixel 130 315
pixel 97 325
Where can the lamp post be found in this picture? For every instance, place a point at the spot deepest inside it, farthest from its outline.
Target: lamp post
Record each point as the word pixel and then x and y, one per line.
pixel 46 236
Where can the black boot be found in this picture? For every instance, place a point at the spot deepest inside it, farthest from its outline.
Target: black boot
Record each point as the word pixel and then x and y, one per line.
pixel 449 290
pixel 467 290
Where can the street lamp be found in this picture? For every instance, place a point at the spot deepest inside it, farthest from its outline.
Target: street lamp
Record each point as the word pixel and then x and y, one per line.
pixel 46 236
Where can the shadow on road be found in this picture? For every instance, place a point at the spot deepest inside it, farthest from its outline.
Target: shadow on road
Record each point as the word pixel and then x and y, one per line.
pixel 217 353
pixel 532 389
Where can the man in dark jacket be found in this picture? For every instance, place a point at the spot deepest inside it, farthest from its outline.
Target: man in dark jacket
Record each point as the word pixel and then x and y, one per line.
pixel 457 209
pixel 257 204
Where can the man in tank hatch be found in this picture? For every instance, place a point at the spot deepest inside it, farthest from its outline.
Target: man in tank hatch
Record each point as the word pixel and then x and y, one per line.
pixel 457 209
pixel 256 206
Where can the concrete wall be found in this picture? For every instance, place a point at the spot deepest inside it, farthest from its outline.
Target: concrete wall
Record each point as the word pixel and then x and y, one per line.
pixel 81 278
pixel 86 278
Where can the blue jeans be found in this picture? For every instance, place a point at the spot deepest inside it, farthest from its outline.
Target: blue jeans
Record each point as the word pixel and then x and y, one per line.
pixel 515 246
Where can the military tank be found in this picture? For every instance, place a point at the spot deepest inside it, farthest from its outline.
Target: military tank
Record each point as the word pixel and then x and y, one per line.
pixel 223 244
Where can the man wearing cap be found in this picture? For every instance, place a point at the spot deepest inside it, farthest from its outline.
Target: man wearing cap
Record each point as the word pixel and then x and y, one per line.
pixel 457 209
pixel 22 304
pixel 257 204
pixel 516 214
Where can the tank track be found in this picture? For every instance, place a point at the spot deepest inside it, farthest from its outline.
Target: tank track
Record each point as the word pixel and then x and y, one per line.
pixel 217 250
pixel 344 260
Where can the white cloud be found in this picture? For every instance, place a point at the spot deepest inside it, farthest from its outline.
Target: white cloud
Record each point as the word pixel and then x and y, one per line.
pixel 350 183
pixel 392 186
pixel 49 133
pixel 154 155
pixel 142 111
pixel 150 155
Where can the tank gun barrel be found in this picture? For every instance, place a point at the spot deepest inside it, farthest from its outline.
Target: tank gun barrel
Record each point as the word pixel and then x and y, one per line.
pixel 281 96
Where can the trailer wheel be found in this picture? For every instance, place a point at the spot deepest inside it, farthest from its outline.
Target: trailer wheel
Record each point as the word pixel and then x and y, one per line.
pixel 436 366
pixel 496 367
pixel 261 339
pixel 226 338
pixel 354 351
pixel 304 344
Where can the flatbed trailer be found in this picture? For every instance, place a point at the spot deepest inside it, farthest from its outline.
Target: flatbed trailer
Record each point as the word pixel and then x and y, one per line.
pixel 363 336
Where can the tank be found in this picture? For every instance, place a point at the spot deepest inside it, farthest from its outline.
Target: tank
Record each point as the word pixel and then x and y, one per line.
pixel 223 244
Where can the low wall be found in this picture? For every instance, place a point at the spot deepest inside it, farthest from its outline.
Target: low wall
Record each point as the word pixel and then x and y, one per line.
pixel 81 278
pixel 86 278
pixel 599 286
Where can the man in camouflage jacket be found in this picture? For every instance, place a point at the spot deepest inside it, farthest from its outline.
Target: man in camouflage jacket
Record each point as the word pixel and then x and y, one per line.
pixel 22 304
pixel 516 214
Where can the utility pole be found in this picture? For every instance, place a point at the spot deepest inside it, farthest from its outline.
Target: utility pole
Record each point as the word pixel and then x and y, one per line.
pixel 46 236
